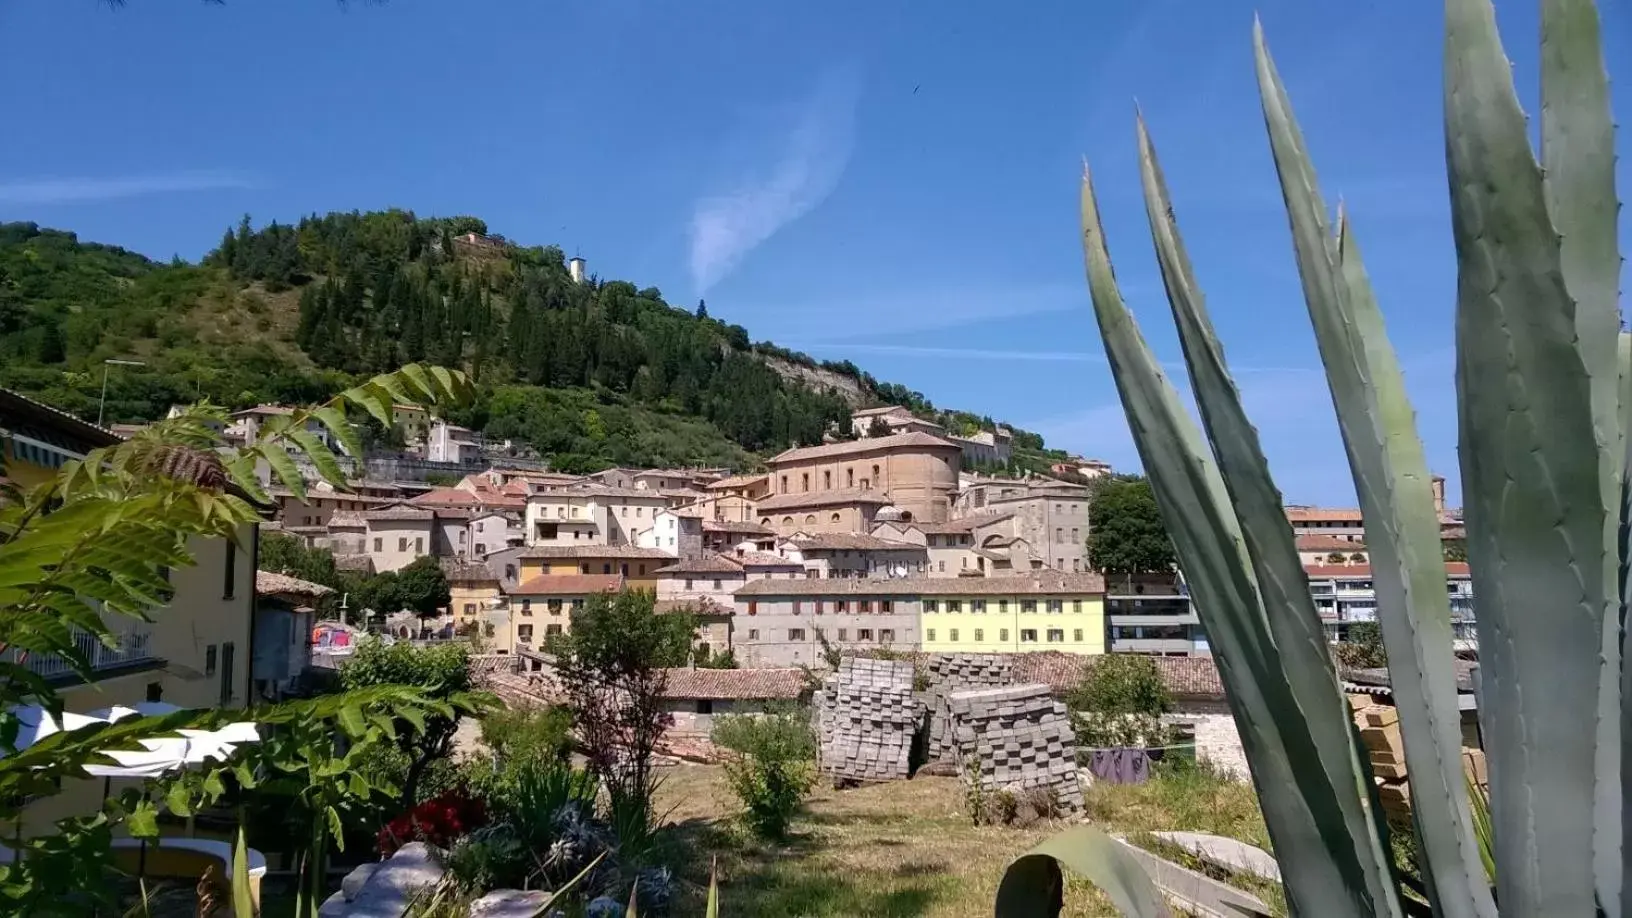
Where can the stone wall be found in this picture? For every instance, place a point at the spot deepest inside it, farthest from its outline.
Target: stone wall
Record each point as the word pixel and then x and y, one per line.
pixel 958 672
pixel 1216 738
pixel 1017 738
pixel 867 717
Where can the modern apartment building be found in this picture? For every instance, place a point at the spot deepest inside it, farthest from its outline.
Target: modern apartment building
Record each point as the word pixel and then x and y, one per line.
pixel 1345 594
pixel 1160 622
pixel 1335 522
pixel 1009 614
pixel 818 487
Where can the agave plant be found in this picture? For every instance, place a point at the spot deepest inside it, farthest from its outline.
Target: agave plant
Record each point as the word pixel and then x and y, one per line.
pixel 1544 397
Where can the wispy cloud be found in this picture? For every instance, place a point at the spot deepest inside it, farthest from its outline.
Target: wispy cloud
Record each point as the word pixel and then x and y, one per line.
pixel 725 227
pixel 57 190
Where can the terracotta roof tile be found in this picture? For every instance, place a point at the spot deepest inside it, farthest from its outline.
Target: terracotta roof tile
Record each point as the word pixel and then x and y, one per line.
pixel 735 684
pixel 466 571
pixel 743 526
pixel 569 585
pixel 1316 571
pixel 706 564
pixel 964 524
pixel 822 499
pixel 701 606
pixel 849 541
pixel 401 512
pixel 737 481
pixel 1310 514
pixel 913 439
pixel 763 559
pixel 1042 583
pixel 630 552
pixel 459 497
pixel 269 583
pixel 1328 543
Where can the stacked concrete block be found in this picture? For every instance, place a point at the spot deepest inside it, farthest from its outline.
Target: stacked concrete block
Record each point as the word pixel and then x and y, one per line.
pixel 867 716
pixel 1017 737
pixel 958 672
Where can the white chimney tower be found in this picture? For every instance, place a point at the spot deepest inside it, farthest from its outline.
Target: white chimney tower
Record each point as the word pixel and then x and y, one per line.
pixel 575 267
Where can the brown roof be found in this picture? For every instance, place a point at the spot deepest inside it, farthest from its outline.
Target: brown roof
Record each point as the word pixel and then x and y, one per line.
pixel 1311 514
pixel 700 606
pixel 346 519
pixel 762 559
pixel 268 583
pixel 1041 583
pixel 600 490
pixel 359 562
pixel 822 499
pixel 400 512
pixel 1184 676
pixel 569 585
pixel 849 541
pixel 459 497
pixel 629 552
pixel 1328 543
pixel 869 412
pixel 706 564
pixel 966 524
pixel 736 481
pixel 735 684
pixel 913 439
pixel 1452 569
pixel 739 526
pixel 463 570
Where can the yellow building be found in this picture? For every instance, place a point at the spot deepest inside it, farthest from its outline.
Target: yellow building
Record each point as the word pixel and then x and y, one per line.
pixel 1042 611
pixel 473 588
pixel 544 605
pixel 197 650
pixel 412 419
pixel 638 566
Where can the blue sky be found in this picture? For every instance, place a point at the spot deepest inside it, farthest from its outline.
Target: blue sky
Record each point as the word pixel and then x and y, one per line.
pixel 893 183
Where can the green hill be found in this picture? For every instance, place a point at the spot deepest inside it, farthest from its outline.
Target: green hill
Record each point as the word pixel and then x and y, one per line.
pixel 590 374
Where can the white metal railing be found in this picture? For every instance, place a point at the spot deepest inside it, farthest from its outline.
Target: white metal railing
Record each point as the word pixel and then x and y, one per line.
pixel 135 644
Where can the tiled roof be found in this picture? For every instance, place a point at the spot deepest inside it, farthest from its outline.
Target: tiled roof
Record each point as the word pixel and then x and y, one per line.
pixel 1312 514
pixel 1183 676
pixel 16 405
pixel 459 497
pixel 569 585
pixel 849 541
pixel 630 552
pixel 401 512
pixel 701 606
pixel 912 439
pixel 1328 543
pixel 361 562
pixel 965 524
pixel 735 684
pixel 743 526
pixel 737 481
pixel 822 499
pixel 1042 583
pixel 869 412
pixel 706 564
pixel 347 519
pixel 762 559
pixel 1318 571
pixel 269 583
pixel 454 513
pixel 600 490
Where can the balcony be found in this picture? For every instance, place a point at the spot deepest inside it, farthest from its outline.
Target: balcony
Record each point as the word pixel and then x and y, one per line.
pixel 134 652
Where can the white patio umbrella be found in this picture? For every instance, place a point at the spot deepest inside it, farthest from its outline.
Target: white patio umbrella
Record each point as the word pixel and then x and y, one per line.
pixel 37 724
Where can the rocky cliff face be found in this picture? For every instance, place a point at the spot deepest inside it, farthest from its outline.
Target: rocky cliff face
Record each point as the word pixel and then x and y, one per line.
pixel 817 378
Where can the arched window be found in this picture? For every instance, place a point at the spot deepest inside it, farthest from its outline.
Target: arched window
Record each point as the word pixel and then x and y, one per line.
pixel 788 520
pixel 810 518
pixel 836 517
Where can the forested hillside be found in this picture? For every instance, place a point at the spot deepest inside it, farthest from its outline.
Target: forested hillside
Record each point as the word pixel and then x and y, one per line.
pixel 589 374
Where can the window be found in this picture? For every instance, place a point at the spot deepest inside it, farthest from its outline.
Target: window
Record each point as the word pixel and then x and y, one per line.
pixel 1059 534
pixel 843 632
pixel 624 511
pixel 209 660
pixel 753 608
pixel 929 635
pixel 524 633
pixel 548 532
pixel 1074 568
pixel 606 567
pixel 798 606
pixel 876 476
pixel 1028 605
pixel 1076 635
pixel 980 634
pixel 1003 607
pixel 977 605
pixel 1056 635
pixel 849 478
pixel 584 568
pixel 835 518
pixel 1055 606
pixel 577 605
pixel 716 583
pixel 470 608
pixel 554 606
pixel 623 569
pixel 810 518
pixel 688 583
pixel 1074 536
pixel 1003 634
pixel 509 572
pixel 954 634
pixel 885 605
pixel 552 630
pixel 419 545
pixel 805 482
pixel 402 543
pixel 865 605
pixel 639 511
pixel 839 605
pixel 930 605
pixel 827 481
pixel 1076 605
pixel 228 652
pixel 753 633
pixel 1028 635
pixel 818 605
pixel 866 634
pixel 954 605
pixel 526 607
pixel 887 635
pixel 230 578
pixel 796 634
pixel 943 567
pixel 379 544
pixel 784 484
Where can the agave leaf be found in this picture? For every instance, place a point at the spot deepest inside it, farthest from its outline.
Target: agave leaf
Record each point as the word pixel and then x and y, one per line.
pixel 1306 827
pixel 1624 361
pixel 558 895
pixel 1033 884
pixel 243 902
pixel 1293 620
pixel 712 908
pixel 1531 453
pixel 1578 159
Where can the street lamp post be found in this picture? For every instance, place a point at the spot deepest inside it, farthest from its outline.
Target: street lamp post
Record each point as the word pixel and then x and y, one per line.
pixel 111 362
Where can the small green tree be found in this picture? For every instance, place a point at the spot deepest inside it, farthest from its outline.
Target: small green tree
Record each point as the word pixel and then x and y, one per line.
pixel 442 671
pixel 1126 534
pixel 1363 647
pixel 1120 702
pixel 421 588
pixel 771 765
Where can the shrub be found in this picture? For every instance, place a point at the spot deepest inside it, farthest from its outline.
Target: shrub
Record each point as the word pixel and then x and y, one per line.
pixel 439 821
pixel 771 767
pixel 530 733
pixel 1120 703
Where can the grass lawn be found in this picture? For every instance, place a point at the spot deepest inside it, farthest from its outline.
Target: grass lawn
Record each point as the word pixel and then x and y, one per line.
pixel 908 848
